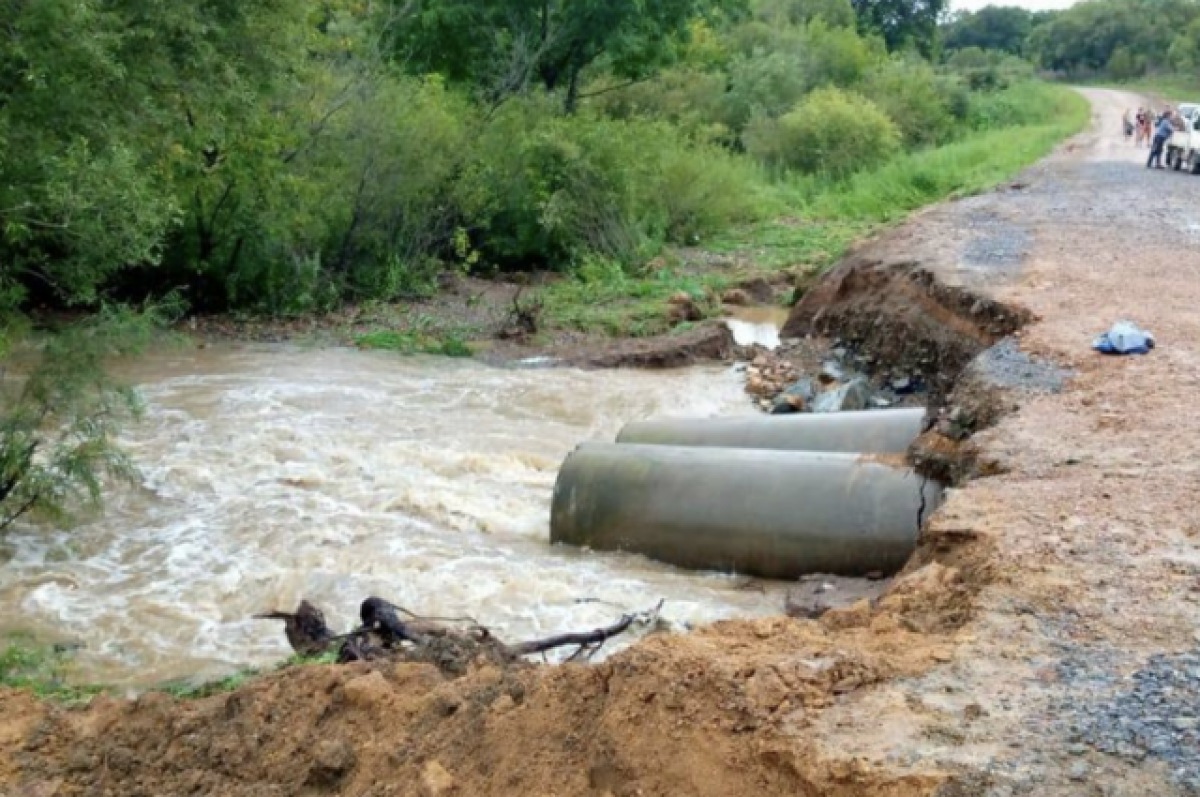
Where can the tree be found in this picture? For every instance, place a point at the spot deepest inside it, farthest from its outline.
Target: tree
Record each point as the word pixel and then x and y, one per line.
pixel 1003 28
pixel 901 23
pixel 60 413
pixel 504 46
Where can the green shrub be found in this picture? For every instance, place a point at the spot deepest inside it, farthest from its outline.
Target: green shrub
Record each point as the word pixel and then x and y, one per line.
pixel 911 94
pixel 692 100
pixel 1021 104
pixel 547 190
pixel 764 85
pixel 706 189
pixel 832 132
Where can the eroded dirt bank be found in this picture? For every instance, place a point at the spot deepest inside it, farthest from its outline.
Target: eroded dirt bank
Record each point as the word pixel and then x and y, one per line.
pixel 1042 642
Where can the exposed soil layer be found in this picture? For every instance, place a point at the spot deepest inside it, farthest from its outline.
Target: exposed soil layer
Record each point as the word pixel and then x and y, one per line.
pixel 904 316
pixel 1042 641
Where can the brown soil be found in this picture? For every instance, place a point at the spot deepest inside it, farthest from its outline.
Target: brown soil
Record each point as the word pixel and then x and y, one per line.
pixel 979 670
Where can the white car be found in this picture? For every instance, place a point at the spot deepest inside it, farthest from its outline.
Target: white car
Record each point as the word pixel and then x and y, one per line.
pixel 1183 150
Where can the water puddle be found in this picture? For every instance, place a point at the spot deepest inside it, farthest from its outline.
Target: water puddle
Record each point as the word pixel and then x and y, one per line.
pixel 271 474
pixel 759 326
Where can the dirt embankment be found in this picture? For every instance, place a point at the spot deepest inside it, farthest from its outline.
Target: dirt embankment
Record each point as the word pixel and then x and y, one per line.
pixel 1038 643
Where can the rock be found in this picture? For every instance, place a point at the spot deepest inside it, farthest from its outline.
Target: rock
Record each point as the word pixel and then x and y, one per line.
pixel 832 372
pixel 1184 723
pixel 684 308
pixel 436 781
pixel 783 405
pixel 802 389
pixel 736 297
pixel 1079 771
pixel 332 758
pixel 367 690
pixel 854 395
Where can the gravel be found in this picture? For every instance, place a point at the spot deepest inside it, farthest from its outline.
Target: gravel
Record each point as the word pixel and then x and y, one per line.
pixel 1153 713
pixel 1005 365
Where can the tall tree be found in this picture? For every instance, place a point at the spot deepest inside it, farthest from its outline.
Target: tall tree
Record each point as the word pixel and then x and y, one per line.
pixel 504 46
pixel 1003 28
pixel 902 23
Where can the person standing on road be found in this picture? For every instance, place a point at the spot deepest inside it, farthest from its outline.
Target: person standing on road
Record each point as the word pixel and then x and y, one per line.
pixel 1127 124
pixel 1162 133
pixel 1140 128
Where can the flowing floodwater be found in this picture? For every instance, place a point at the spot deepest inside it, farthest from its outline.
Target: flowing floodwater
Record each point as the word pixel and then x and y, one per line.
pixel 757 326
pixel 272 474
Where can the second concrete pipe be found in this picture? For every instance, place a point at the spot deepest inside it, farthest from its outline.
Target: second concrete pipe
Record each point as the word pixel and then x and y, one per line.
pixel 879 432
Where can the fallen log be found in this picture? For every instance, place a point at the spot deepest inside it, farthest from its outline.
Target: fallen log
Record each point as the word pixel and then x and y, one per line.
pixel 385 633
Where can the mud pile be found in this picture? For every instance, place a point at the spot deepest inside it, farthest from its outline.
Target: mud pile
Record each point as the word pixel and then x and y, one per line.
pixel 719 712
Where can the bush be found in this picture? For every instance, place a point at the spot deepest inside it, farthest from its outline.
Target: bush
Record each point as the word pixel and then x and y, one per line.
pixel 545 190
pixel 705 189
pixel 911 94
pixel 831 131
pixel 764 85
pixel 1025 103
pixel 692 100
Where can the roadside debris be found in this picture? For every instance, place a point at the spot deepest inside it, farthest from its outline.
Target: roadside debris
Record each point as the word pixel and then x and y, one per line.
pixel 390 631
pixel 1125 337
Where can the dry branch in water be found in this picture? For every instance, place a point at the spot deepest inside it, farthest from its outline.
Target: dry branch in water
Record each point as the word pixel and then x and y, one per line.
pixel 385 633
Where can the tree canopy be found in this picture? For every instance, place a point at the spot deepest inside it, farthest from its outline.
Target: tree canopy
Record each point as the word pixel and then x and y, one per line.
pixel 902 23
pixel 504 45
pixel 1002 28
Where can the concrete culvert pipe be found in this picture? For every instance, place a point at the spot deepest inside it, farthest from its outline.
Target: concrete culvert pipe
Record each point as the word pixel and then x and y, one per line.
pixel 773 514
pixel 879 432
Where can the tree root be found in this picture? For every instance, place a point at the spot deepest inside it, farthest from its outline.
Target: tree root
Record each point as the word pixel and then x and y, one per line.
pixel 384 633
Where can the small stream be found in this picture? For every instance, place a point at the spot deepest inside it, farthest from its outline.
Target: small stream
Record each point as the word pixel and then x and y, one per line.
pixel 269 474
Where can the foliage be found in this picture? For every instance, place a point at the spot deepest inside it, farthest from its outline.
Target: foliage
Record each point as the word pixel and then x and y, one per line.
pixel 831 132
pixel 545 189
pixel 415 341
pixel 288 155
pixel 42 669
pixel 902 23
pixel 1000 28
pixel 60 414
pixel 1131 37
pixel 501 46
pixel 913 96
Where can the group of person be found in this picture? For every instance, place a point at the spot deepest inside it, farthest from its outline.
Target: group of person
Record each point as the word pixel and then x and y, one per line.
pixel 1147 128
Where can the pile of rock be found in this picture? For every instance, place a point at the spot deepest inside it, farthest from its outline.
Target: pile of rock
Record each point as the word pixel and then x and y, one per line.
pixel 768 376
pixel 779 388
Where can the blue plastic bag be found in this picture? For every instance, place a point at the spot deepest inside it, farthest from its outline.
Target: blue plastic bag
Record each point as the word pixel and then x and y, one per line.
pixel 1125 337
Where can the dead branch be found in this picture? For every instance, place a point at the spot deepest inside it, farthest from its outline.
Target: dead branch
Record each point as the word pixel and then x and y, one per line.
pixel 384 632
pixel 585 639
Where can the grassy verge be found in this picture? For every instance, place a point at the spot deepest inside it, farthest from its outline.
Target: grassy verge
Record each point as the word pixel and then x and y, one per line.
pixel 414 342
pixel 1173 88
pixel 820 220
pixel 44 670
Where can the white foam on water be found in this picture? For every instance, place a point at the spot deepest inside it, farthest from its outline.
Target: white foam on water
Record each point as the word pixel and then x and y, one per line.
pixel 268 475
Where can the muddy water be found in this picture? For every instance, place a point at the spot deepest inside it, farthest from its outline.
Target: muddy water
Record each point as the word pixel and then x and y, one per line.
pixel 757 326
pixel 272 474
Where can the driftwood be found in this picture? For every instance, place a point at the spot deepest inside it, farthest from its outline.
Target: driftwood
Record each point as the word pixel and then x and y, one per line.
pixel 388 630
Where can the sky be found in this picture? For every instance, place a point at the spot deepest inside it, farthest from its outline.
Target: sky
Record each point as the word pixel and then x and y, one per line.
pixel 1033 5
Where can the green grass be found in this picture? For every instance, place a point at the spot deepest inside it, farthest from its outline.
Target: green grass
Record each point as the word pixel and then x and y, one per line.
pixel 44 670
pixel 41 669
pixel 446 344
pixel 1173 88
pixel 823 218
